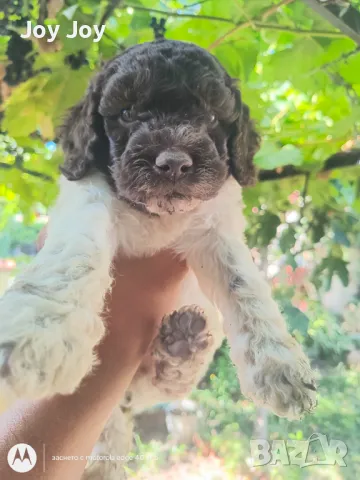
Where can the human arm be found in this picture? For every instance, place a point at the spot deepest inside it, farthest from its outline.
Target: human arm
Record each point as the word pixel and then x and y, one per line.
pixel 69 425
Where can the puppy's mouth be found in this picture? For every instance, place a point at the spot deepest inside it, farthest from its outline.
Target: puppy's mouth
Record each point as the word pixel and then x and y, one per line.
pixel 160 205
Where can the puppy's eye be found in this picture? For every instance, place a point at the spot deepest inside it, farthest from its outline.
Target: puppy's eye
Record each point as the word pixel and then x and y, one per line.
pixel 126 115
pixel 213 118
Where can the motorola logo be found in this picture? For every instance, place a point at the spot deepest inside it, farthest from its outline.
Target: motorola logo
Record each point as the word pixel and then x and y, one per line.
pixel 22 458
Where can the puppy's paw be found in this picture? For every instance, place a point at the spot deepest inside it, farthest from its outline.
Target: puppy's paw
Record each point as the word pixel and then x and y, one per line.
pixel 282 380
pixel 180 347
pixel 44 349
pixel 183 333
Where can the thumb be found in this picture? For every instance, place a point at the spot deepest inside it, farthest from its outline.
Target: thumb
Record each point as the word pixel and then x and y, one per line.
pixel 41 238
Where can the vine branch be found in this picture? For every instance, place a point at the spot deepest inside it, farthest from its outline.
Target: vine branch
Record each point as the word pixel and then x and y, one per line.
pixel 275 8
pixel 304 193
pixel 240 26
pixel 343 57
pixel 299 31
pixel 237 26
pixel 339 160
pixel 176 13
pixel 336 161
pixel 109 10
pixel 18 165
pixel 43 12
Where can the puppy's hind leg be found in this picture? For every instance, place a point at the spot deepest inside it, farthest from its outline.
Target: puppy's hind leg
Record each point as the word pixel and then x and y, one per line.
pixel 180 355
pixel 110 454
pixel 181 351
pixel 49 317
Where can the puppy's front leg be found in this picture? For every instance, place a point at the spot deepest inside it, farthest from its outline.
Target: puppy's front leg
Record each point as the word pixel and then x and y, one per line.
pixel 49 317
pixel 272 367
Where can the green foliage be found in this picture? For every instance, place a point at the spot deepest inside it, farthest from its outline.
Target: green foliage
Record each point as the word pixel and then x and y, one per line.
pixel 286 75
pixel 228 424
pixel 327 342
pixel 337 416
pixel 330 266
pixel 15 235
pixel 264 230
pixel 301 79
pixel 296 319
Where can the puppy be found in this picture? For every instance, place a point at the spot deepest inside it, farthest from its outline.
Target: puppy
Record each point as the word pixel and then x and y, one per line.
pixel 155 156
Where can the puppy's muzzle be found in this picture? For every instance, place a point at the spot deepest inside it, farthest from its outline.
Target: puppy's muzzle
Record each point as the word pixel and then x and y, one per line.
pixel 173 164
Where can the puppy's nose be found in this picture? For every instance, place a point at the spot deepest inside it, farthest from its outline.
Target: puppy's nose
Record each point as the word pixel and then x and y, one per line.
pixel 173 163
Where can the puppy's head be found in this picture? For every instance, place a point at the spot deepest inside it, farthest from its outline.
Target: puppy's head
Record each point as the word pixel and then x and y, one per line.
pixel 166 123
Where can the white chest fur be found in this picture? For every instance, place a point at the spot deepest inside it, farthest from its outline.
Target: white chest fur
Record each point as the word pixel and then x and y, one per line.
pixel 141 234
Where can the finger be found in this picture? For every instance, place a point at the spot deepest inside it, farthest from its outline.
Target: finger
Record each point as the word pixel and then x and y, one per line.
pixel 41 238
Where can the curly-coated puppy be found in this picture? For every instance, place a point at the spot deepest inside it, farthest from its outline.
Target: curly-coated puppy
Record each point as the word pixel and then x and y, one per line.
pixel 155 156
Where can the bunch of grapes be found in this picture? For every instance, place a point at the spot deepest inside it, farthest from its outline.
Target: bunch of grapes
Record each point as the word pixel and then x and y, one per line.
pixel 15 14
pixel 76 60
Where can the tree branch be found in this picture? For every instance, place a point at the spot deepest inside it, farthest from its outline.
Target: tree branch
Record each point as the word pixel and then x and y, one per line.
pixel 342 57
pixel 120 46
pixel 346 20
pixel 299 31
pixel 237 26
pixel 176 13
pixel 275 8
pixel 43 12
pixel 304 194
pixel 109 10
pixel 339 160
pixel 17 166
pixel 241 26
pixel 196 3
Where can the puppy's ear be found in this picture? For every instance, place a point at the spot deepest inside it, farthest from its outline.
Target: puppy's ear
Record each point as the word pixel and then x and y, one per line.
pixel 82 136
pixel 243 143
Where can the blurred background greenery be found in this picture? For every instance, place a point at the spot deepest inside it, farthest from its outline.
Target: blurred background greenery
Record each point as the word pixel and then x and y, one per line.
pixel 300 76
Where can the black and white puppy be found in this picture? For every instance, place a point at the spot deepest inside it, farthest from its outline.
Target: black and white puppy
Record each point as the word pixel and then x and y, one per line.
pixel 155 157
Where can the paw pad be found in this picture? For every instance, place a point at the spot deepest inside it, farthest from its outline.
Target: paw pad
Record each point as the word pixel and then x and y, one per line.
pixel 183 333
